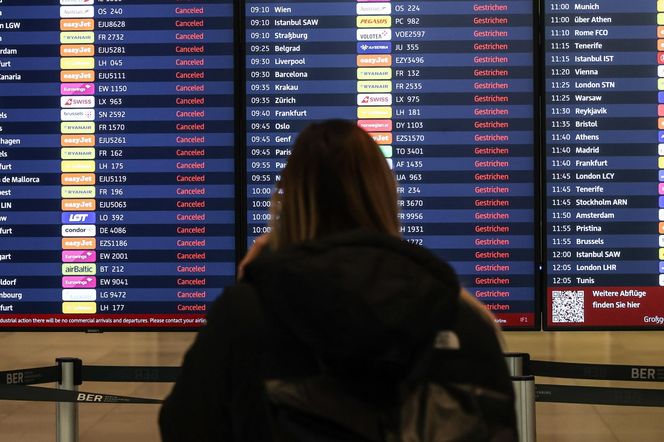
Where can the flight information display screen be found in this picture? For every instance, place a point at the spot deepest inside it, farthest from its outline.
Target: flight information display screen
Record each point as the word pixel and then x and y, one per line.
pixel 117 190
pixel 604 70
pixel 447 91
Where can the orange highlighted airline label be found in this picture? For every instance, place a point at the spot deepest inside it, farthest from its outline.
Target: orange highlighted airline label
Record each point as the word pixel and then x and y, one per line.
pixel 77 179
pixel 376 125
pixel 77 140
pixel 660 123
pixel 374 60
pixel 79 243
pixel 77 50
pixel 72 205
pixel 661 227
pixel 77 24
pixel 382 137
pixel 75 76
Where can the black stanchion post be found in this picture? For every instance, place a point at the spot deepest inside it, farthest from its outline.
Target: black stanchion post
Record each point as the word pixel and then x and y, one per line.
pixel 524 390
pixel 517 363
pixel 66 414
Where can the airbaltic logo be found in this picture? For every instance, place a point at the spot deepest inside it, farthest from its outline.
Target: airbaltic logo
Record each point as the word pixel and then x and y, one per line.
pixel 374 99
pixel 374 8
pixel 77 11
pixel 79 218
pixel 374 34
pixel 77 102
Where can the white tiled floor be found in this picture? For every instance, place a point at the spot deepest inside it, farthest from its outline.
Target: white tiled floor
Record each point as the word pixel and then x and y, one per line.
pixel 34 422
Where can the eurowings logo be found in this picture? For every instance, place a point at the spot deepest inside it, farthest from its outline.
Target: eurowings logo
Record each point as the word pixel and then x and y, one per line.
pixel 79 281
pixel 77 89
pixel 82 256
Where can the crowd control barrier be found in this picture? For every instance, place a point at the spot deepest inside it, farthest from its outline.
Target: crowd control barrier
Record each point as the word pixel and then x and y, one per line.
pixel 69 374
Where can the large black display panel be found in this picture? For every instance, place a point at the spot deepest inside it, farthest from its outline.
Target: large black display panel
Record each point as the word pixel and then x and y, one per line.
pixel 604 163
pixel 445 88
pixel 116 162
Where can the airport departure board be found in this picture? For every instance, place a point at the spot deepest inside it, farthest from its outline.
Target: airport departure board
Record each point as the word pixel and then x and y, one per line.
pixel 117 188
pixel 604 93
pixel 446 88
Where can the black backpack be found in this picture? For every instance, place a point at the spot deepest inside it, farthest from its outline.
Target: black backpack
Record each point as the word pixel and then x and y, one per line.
pixel 325 409
pixel 423 406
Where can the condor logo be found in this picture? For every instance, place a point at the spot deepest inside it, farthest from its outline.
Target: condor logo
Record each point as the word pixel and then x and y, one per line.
pixel 79 218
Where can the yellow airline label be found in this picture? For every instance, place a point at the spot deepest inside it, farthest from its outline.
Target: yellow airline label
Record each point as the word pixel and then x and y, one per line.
pixel 374 86
pixel 374 73
pixel 77 37
pixel 374 112
pixel 77 166
pixel 374 21
pixel 79 307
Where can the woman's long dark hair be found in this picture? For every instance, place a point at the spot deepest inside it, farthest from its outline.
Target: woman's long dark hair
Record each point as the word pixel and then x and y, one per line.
pixel 336 179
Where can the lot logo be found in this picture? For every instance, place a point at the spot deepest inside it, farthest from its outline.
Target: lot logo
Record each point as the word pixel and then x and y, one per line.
pixel 79 218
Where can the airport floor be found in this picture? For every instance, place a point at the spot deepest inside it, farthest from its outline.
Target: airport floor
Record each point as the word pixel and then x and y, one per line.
pixel 35 422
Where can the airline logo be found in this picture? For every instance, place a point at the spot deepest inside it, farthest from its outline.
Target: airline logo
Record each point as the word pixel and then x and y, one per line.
pixel 73 179
pixel 77 166
pixel 77 11
pixel 390 164
pixel 77 89
pixel 77 153
pixel 79 269
pixel 374 60
pixel 382 137
pixel 79 282
pixel 79 218
pixel 77 115
pixel 77 50
pixel 374 48
pixel 82 230
pixel 374 99
pixel 79 308
pixel 77 63
pixel 77 140
pixel 79 256
pixel 76 76
pixel 375 125
pixel 660 84
pixel 374 86
pixel 72 24
pixel 374 73
pixel 79 243
pixel 387 151
pixel 77 37
pixel 374 21
pixel 374 112
pixel 77 127
pixel 79 295
pixel 73 205
pixel 76 2
pixel 374 34
pixel 78 192
pixel 374 8
pixel 77 102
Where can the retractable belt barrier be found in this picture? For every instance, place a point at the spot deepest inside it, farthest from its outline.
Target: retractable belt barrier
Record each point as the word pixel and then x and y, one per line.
pixel 573 394
pixel 604 372
pixel 17 385
pixel 42 394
